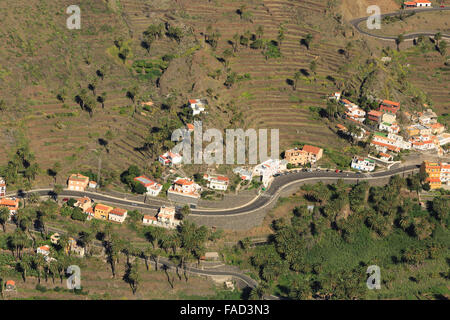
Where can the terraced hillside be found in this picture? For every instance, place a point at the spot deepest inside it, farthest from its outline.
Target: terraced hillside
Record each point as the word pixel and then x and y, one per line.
pixel 45 68
pixel 267 100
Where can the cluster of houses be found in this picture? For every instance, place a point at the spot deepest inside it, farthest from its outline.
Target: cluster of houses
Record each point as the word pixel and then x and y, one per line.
pixel 438 174
pixel 271 167
pixel 100 211
pixel 71 247
pixel 423 133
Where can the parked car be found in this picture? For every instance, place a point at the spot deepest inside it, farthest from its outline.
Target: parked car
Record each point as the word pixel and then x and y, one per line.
pixel 337 171
pixel 65 199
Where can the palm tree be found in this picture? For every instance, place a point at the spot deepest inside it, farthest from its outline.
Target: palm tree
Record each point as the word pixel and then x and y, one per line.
pixel 184 212
pixel 437 38
pixel 155 255
pixel 26 264
pixel 102 99
pixel 53 269
pixel 297 76
pixel 132 276
pixel 227 54
pixel 57 189
pixel 348 47
pixel 87 237
pixel 307 40
pixel 259 32
pixel 38 262
pixel 400 38
pixel 4 217
pixel 259 292
pixel 313 66
pixel 236 39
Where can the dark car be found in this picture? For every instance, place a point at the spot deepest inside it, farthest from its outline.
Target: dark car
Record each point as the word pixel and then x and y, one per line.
pixel 65 199
pixel 359 172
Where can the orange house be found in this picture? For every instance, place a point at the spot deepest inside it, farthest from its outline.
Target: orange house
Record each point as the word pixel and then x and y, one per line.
pixel 102 211
pixel 77 182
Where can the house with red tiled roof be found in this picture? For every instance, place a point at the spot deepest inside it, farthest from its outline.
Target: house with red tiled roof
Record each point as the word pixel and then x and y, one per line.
pixel 153 188
pixel 417 4
pixel 10 285
pixel 118 215
pixel 437 128
pixel 388 106
pixel 375 115
pixel 148 219
pixel 313 153
pixel 170 158
pixel 184 190
pixel 341 128
pixel 217 182
pixel 385 156
pixel 102 211
pixel 197 106
pixel 11 203
pixel 84 203
pixel 190 127
pixel 90 213
pixel 44 250
pixel 308 154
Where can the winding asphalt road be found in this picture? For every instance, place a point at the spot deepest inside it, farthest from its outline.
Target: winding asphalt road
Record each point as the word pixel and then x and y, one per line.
pixel 410 36
pixel 264 199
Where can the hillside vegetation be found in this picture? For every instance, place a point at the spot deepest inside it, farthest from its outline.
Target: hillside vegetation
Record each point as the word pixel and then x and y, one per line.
pixel 74 95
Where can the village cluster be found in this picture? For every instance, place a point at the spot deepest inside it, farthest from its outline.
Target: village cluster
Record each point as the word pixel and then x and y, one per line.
pixel 422 131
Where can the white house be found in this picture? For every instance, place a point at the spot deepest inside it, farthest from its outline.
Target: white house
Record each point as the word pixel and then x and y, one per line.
pixel 217 182
pixel 118 215
pixel 443 139
pixel 45 251
pixel 268 169
pixel 388 117
pixel 424 142
pixel 153 188
pixel 423 3
pixel 244 174
pixel 148 219
pixel 185 187
pixel 336 96
pixel 197 106
pixel 445 173
pixel 363 164
pixel 389 127
pixel 2 187
pixel 354 112
pixel 170 158
pixel 166 216
pixel 92 184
